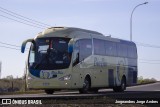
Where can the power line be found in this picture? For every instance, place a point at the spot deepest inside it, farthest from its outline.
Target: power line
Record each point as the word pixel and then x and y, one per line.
pixel 41 25
pixel 21 22
pixel 142 44
pixel 147 45
pixel 143 60
pixel 9 44
pixel 12 47
pixel 148 60
pixel 9 47
pixel 24 17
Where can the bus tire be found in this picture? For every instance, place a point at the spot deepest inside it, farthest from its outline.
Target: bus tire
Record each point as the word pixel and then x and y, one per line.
pixel 122 87
pixel 86 86
pixel 49 91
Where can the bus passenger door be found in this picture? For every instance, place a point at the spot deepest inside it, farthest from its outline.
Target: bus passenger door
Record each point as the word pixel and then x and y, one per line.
pixel 76 67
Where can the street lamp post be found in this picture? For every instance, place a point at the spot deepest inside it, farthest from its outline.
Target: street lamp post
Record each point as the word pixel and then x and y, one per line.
pixel 131 18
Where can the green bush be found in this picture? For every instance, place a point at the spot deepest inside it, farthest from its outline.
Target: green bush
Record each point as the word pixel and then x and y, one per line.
pixel 141 80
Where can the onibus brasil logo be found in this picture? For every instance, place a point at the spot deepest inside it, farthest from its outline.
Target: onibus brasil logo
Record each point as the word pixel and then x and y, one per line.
pixel 15 101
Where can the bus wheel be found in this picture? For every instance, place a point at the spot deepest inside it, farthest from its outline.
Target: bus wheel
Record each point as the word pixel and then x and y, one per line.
pixel 49 91
pixel 122 87
pixel 86 86
pixel 123 84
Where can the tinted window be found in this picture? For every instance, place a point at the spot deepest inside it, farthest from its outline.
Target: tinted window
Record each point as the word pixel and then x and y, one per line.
pixel 50 53
pixel 110 48
pixel 122 50
pixel 132 52
pixel 85 48
pixel 99 47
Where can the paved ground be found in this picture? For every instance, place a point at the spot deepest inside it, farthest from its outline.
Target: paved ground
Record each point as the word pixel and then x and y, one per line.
pixel 140 95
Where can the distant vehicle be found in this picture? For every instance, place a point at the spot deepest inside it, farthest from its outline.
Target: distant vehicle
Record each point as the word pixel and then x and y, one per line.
pixel 73 58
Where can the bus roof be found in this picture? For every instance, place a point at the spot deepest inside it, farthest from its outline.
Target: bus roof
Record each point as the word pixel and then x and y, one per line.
pixel 65 32
pixel 71 32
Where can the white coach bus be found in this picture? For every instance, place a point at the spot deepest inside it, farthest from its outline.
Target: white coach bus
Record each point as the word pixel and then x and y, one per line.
pixel 73 58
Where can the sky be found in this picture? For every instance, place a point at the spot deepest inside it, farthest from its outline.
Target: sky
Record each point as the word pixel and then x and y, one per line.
pixel 110 17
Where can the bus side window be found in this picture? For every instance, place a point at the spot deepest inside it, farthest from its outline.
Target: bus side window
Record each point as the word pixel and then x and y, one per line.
pixel 76 54
pixel 110 48
pixel 132 52
pixel 85 46
pixel 99 47
pixel 122 50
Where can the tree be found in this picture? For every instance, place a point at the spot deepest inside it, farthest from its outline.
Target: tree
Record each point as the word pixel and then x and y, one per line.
pixel 9 77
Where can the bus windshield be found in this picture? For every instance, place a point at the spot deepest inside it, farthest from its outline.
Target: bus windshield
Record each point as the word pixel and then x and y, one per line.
pixel 50 54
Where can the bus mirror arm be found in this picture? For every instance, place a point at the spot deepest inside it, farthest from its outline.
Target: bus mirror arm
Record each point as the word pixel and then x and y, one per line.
pixel 24 44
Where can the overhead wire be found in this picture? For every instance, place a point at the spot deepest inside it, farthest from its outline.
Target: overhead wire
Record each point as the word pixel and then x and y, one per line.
pixel 23 16
pixel 142 44
pixel 21 22
pixel 23 19
pixel 37 24
pixel 148 60
pixel 9 47
pixel 12 47
pixel 9 44
pixel 147 45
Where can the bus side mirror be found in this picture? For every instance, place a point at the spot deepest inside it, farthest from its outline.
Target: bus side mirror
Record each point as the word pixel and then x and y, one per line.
pixel 70 46
pixel 24 44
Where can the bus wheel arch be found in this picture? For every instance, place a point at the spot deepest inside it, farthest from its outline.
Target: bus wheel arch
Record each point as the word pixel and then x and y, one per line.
pixel 86 84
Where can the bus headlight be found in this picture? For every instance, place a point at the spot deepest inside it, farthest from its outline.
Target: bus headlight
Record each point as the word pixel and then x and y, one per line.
pixel 65 78
pixel 29 78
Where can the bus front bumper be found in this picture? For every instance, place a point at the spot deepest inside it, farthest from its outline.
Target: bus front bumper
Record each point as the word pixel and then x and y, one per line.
pixel 48 84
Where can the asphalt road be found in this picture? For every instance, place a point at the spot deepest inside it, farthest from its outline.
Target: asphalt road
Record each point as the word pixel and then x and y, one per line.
pixel 147 87
pixel 140 91
pixel 138 95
